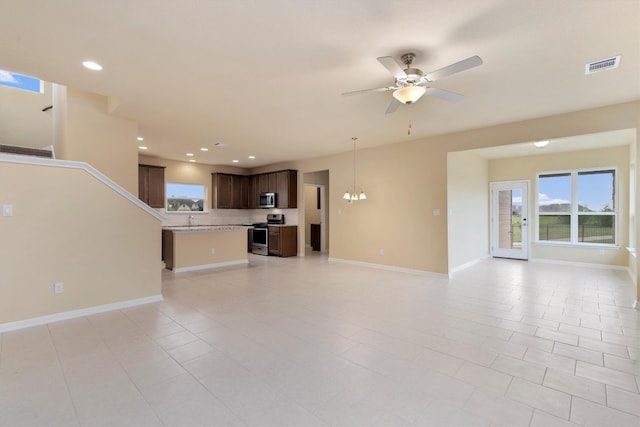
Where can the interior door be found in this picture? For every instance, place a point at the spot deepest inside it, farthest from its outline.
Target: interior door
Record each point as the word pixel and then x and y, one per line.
pixel 509 219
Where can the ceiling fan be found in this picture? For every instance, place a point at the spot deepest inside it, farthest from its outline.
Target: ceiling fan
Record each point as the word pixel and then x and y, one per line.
pixel 412 83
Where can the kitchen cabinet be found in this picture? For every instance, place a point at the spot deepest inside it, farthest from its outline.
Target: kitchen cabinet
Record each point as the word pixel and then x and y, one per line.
pixel 315 237
pixel 244 192
pixel 229 191
pixel 254 191
pixel 273 184
pixel 287 189
pixel 151 185
pixel 222 191
pixel 241 192
pixel 283 240
pixel 263 180
pixel 267 183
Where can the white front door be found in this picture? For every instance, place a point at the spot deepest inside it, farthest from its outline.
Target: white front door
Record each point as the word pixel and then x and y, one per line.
pixel 509 219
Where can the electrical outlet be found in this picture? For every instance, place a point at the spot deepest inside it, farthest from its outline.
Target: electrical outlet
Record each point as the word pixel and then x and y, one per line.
pixel 7 210
pixel 381 251
pixel 213 251
pixel 58 288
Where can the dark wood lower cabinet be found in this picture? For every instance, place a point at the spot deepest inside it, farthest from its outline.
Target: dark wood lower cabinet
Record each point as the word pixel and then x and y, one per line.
pixel 283 240
pixel 315 237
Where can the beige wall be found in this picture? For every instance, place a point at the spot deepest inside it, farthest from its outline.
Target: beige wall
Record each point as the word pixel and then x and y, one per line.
pixel 22 121
pixel 406 181
pixel 526 168
pixel 85 132
pixel 468 208
pixel 69 227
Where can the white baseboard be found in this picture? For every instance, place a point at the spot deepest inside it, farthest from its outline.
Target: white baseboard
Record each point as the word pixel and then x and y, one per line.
pixel 209 266
pixel 65 315
pixel 389 267
pixel 579 264
pixel 467 264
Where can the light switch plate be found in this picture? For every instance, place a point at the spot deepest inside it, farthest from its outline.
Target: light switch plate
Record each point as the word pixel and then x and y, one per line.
pixel 7 210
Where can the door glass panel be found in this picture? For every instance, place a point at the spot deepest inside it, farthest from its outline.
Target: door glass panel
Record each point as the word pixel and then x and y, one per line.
pixel 510 219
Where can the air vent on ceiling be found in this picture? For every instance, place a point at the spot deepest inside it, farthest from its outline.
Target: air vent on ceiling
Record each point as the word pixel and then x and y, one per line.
pixel 602 65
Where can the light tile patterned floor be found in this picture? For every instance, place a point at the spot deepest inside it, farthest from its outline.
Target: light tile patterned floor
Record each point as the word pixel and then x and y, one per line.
pixel 305 342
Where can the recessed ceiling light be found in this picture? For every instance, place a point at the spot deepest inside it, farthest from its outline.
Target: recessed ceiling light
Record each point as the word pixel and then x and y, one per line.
pixel 204 149
pixel 252 157
pixel 540 144
pixel 142 147
pixel 190 154
pixel 140 138
pixel 92 65
pixel 192 160
pixel 235 161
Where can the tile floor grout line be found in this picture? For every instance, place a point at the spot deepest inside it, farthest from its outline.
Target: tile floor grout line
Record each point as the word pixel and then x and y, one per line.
pixel 64 375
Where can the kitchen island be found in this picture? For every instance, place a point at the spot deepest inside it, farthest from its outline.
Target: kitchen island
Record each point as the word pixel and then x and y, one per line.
pixel 203 247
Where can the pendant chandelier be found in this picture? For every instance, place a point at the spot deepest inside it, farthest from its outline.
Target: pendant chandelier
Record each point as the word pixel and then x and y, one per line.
pixel 354 194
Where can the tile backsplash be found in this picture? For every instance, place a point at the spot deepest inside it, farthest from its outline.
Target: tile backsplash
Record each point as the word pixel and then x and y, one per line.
pixel 227 216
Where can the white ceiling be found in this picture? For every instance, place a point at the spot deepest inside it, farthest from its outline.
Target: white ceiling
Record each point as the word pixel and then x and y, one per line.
pixel 574 143
pixel 265 77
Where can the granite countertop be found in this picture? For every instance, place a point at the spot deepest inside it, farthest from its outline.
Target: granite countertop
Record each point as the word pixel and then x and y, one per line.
pixel 215 227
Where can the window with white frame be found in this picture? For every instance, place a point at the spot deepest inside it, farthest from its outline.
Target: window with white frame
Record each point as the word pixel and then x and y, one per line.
pixel 19 81
pixel 577 207
pixel 185 197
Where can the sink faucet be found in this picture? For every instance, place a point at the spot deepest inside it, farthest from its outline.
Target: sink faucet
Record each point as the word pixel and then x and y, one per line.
pixel 191 218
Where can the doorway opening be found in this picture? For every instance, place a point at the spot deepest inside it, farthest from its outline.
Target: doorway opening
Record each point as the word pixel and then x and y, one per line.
pixel 509 219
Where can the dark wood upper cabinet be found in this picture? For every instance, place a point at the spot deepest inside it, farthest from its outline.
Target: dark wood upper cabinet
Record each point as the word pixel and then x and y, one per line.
pixel 264 183
pixel 254 191
pixel 287 189
pixel 242 192
pixel 151 185
pixel 222 191
pixel 273 183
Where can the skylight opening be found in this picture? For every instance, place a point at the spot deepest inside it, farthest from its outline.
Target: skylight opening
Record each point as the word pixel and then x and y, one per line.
pixel 18 81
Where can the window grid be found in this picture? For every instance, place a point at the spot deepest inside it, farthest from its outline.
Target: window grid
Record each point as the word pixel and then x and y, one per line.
pixel 580 232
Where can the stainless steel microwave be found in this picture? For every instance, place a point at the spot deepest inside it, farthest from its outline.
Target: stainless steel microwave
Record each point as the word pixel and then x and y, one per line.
pixel 267 200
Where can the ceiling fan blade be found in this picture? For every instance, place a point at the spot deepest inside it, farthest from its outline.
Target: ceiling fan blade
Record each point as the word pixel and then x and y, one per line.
pixel 358 92
pixel 393 106
pixel 444 94
pixel 392 65
pixel 457 67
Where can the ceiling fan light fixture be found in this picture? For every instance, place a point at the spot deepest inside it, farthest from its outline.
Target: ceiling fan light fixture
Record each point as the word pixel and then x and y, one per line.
pixel 409 94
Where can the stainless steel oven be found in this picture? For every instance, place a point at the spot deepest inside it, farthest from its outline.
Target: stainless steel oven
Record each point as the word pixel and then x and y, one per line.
pixel 260 243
